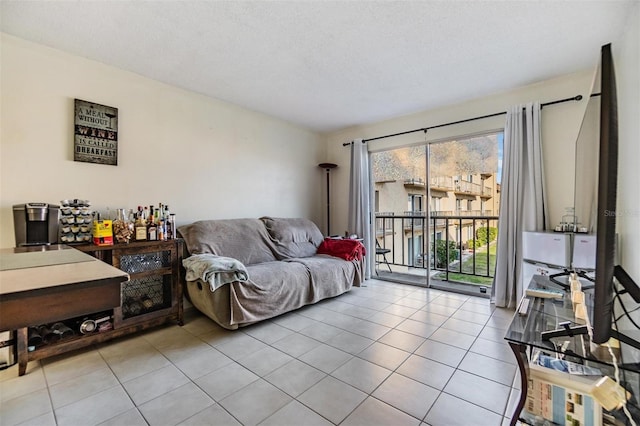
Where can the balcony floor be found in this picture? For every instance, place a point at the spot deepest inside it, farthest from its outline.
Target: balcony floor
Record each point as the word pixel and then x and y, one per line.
pixel 418 277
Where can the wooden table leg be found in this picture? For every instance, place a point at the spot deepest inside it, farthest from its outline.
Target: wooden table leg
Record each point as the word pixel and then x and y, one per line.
pixel 520 351
pixel 180 290
pixel 22 336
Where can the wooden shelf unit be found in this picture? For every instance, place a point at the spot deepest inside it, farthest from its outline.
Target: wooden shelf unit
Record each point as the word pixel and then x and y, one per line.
pixel 154 267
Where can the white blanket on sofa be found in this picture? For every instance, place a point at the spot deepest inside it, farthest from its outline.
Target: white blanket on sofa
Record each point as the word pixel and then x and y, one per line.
pixel 214 270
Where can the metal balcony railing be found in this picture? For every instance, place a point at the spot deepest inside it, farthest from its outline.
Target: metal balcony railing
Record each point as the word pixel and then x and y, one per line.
pixel 414 219
pixel 441 182
pixel 383 226
pixel 487 191
pixel 439 213
pixel 450 254
pixel 467 213
pixel 462 186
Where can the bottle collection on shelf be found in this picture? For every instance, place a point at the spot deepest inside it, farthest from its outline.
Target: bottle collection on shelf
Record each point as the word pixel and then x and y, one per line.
pixel 146 224
pixel 47 334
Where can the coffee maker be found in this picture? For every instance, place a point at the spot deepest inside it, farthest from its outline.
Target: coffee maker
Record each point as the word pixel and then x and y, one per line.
pixel 36 224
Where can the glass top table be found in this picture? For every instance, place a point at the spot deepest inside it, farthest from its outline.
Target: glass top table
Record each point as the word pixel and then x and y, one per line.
pixel 525 336
pixel 544 315
pixel 36 256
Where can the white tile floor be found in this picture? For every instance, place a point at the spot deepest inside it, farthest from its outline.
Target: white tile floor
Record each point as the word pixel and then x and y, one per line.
pixel 384 354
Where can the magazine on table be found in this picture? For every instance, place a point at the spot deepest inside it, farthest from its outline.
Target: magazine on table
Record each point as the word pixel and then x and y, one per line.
pixel 547 361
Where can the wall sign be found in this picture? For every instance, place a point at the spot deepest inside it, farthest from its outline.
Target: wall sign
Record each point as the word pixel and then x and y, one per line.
pixel 95 133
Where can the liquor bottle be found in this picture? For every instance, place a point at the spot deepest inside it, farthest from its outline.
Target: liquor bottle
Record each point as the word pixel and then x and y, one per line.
pixel 131 220
pixel 132 307
pixel 62 330
pixel 152 230
pixel 162 234
pixel 47 334
pixel 34 339
pixel 169 225
pixel 174 231
pixel 146 302
pixel 141 228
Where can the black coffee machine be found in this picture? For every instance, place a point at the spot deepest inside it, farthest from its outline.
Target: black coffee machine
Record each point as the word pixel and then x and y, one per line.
pixel 36 224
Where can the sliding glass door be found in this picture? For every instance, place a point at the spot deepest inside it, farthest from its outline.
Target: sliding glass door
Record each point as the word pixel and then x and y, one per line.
pixel 400 180
pixel 464 185
pixel 436 212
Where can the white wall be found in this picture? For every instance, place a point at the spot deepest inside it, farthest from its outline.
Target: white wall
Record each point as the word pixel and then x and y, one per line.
pixel 560 127
pixel 626 58
pixel 205 158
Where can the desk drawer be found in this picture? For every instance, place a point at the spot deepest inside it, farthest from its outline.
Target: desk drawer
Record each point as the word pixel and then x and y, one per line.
pixel 55 303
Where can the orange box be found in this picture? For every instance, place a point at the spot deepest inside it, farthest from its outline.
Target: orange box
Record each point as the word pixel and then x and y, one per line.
pixel 103 232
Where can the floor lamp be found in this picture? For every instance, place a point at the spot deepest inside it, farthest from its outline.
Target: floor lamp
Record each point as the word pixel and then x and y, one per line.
pixel 328 167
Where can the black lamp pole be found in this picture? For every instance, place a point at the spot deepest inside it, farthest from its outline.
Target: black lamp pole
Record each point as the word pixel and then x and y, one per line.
pixel 328 167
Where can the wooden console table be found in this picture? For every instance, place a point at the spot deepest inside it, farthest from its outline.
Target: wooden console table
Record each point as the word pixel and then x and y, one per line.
pixel 44 284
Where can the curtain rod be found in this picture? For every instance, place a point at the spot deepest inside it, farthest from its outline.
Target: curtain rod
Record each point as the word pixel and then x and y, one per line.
pixel 424 129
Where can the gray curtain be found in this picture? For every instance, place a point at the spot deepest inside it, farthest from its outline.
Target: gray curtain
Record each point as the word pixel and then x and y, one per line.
pixel 360 200
pixel 523 205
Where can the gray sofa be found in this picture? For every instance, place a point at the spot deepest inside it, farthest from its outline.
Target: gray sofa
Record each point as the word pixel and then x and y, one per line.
pixel 279 255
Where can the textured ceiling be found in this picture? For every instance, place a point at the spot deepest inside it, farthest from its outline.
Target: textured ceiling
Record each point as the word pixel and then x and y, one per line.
pixel 329 65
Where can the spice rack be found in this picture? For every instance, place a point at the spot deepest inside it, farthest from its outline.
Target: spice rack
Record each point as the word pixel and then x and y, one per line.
pixel 75 221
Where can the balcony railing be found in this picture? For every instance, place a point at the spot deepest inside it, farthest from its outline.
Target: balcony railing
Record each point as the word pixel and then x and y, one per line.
pixel 383 225
pixel 455 257
pixel 441 182
pixel 416 218
pixel 487 191
pixel 464 187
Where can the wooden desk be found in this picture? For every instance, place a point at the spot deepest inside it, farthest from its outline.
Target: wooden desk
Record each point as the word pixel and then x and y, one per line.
pixel 44 284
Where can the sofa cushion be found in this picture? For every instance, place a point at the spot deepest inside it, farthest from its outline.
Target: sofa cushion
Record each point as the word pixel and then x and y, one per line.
pixel 246 240
pixel 293 237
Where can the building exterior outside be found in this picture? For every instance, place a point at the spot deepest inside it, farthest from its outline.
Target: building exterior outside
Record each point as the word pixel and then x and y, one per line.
pixel 451 196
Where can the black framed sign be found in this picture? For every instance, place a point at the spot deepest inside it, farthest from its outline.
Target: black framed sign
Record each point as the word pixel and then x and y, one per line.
pixel 95 133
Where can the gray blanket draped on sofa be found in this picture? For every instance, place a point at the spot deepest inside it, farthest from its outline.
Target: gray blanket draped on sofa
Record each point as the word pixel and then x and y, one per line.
pixel 284 271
